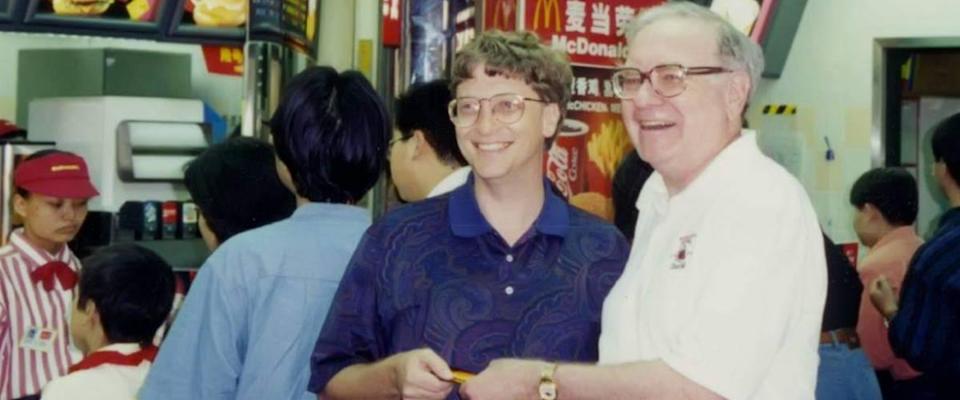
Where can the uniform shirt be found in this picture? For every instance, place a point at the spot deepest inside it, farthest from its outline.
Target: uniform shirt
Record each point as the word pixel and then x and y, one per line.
pixel 103 382
pixel 250 319
pixel 448 183
pixel 888 257
pixel 436 274
pixel 726 281
pixel 25 306
pixel 927 325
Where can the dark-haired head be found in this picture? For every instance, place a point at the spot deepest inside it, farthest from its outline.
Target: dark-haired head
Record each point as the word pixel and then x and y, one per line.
pixel 132 289
pixel 331 131
pixel 892 191
pixel 219 181
pixel 946 145
pixel 423 107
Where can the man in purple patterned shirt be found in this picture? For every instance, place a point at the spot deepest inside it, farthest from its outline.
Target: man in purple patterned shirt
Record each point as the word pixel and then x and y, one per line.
pixel 501 267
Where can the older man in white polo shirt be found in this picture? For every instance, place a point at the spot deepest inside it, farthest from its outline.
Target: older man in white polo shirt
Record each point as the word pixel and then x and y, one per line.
pixel 724 291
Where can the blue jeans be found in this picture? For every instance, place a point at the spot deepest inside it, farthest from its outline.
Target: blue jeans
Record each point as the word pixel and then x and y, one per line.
pixel 845 374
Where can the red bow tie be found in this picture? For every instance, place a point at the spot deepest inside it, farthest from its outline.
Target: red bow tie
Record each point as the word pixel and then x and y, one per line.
pixel 55 270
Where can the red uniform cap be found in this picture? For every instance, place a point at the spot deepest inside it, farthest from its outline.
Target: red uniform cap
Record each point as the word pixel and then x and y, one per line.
pixel 7 128
pixel 58 175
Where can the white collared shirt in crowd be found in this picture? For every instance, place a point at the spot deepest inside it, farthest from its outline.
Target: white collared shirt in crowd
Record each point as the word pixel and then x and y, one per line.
pixel 103 382
pixel 454 180
pixel 24 306
pixel 726 281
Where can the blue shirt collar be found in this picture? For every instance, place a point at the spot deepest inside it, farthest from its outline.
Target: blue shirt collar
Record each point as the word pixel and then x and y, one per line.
pixel 315 210
pixel 466 220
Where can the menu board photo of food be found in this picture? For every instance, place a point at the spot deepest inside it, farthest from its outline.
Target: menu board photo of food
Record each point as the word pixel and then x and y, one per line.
pixel 590 145
pixel 216 13
pixel 106 10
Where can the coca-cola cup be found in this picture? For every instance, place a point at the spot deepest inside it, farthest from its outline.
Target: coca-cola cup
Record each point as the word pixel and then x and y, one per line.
pixel 567 158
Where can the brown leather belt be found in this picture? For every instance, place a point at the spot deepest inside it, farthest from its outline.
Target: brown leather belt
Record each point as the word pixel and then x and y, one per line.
pixel 847 336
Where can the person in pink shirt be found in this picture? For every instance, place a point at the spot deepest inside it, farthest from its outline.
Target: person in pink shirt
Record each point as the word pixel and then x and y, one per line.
pixel 886 208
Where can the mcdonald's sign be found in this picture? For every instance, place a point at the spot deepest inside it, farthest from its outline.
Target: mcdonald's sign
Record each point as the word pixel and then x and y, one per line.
pixel 500 14
pixel 589 31
pixel 547 13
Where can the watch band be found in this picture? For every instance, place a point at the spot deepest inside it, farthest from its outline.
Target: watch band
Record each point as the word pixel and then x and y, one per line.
pixel 548 387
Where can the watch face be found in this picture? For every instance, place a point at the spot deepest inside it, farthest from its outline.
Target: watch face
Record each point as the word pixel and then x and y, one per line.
pixel 548 391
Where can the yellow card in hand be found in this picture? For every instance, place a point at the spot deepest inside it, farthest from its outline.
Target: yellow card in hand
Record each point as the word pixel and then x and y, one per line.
pixel 461 377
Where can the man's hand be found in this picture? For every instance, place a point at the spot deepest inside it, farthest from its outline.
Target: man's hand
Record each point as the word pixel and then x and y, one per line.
pixel 422 374
pixel 883 297
pixel 505 379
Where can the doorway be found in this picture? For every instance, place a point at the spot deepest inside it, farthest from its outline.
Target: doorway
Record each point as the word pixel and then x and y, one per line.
pixel 915 86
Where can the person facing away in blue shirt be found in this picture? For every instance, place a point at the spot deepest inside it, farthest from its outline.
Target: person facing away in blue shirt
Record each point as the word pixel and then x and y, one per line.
pixel 500 267
pixel 925 325
pixel 249 321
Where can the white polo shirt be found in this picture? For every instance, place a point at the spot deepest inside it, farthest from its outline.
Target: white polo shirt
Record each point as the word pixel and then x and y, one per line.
pixel 726 281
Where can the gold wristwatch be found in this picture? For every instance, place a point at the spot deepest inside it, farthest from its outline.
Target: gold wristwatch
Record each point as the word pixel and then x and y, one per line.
pixel 548 388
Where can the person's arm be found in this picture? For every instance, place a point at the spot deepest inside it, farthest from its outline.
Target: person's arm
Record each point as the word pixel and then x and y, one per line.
pixel 350 359
pixel 416 374
pixel 202 356
pixel 884 297
pixel 519 379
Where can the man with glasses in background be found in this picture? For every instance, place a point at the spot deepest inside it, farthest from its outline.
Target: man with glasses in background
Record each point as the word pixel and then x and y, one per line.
pixel 724 291
pixel 424 158
pixel 500 267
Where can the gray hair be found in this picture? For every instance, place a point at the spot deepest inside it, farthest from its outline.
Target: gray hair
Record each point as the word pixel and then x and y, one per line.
pixel 735 49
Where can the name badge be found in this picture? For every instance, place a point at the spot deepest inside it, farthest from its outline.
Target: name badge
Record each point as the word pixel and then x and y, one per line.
pixel 38 339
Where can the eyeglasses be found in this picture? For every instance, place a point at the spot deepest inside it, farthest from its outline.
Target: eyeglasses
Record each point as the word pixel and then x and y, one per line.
pixel 667 80
pixel 506 108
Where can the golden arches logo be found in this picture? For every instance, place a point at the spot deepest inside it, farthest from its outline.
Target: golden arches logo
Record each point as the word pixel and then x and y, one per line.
pixel 503 15
pixel 546 6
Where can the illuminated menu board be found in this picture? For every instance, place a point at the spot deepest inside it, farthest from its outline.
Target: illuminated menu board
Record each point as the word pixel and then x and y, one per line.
pixel 133 16
pixel 216 22
pixel 210 20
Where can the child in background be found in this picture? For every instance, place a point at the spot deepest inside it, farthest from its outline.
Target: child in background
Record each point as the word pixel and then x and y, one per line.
pixel 124 295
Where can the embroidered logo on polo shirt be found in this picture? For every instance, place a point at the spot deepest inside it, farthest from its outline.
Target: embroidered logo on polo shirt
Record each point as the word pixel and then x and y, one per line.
pixel 686 250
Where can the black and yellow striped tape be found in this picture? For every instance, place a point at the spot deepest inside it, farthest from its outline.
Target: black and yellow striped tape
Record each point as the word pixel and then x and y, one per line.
pixel 780 109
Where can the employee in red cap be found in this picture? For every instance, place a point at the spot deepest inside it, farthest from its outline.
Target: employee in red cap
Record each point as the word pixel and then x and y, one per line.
pixel 38 272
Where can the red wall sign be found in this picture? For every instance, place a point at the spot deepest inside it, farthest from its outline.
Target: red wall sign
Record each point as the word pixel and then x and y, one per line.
pixel 591 32
pixel 392 27
pixel 223 60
